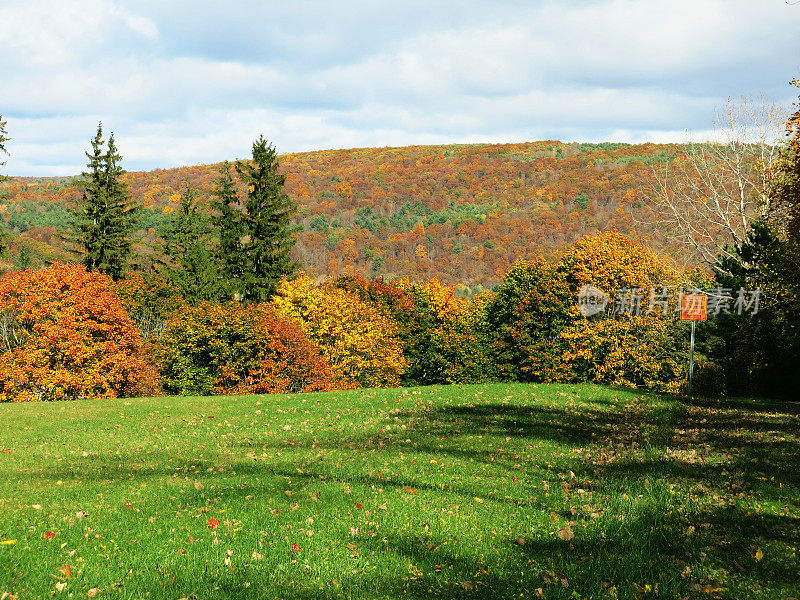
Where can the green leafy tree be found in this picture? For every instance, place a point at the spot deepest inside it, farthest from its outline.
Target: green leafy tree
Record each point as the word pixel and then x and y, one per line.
pixel 269 235
pixel 531 308
pixel 106 216
pixel 189 244
pixel 230 230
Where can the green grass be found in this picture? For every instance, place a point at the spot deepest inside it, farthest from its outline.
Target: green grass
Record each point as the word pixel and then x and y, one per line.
pixel 497 491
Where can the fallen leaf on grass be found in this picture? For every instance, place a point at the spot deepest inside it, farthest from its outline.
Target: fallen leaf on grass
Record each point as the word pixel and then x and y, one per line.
pixel 467 585
pixel 553 577
pixel 60 586
pixel 49 535
pixel 66 571
pixel 213 523
pixel 93 592
pixel 566 533
pixel 7 542
pixel 759 555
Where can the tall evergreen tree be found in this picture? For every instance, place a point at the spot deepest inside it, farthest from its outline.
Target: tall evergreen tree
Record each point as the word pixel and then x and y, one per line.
pixel 230 230
pixel 268 233
pixel 107 216
pixel 189 245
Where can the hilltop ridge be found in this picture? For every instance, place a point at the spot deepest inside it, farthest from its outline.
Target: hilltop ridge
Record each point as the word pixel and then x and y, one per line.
pixel 462 212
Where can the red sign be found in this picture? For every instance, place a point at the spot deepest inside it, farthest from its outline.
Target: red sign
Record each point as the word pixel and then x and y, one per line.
pixel 694 307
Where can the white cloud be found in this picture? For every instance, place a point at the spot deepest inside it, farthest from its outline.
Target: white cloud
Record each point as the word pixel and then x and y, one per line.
pixel 190 82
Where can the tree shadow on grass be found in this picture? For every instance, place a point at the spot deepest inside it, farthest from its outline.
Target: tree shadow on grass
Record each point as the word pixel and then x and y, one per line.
pixel 737 451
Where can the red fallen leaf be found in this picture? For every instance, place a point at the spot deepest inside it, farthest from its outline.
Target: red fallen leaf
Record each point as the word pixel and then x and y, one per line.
pixel 127 505
pixel 180 551
pixel 514 479
pixel 7 450
pixel 213 523
pixel 66 571
pixel 291 442
pixel 49 535
pixel 295 548
pixel 358 506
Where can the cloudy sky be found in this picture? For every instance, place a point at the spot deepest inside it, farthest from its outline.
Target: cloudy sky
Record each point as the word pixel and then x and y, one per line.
pixel 196 81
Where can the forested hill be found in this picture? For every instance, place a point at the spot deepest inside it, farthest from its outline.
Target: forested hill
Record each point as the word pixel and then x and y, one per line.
pixel 463 212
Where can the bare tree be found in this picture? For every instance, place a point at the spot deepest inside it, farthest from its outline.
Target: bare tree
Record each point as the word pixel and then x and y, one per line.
pixel 707 197
pixel 3 138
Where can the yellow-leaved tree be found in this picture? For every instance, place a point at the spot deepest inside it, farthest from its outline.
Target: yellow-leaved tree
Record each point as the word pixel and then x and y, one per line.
pixel 640 343
pixel 359 339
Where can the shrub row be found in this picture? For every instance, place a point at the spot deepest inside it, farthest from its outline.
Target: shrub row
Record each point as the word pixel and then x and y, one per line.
pixel 69 334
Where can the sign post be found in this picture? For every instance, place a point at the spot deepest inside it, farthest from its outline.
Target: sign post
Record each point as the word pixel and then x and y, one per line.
pixel 694 307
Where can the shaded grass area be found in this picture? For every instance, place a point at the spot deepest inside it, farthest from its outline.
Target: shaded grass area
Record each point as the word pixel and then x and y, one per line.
pixel 496 491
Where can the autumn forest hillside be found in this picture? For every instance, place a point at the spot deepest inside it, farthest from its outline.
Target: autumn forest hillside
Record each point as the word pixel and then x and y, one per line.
pixel 464 213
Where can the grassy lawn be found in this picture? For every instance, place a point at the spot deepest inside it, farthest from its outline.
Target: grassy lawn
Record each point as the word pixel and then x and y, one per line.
pixel 498 491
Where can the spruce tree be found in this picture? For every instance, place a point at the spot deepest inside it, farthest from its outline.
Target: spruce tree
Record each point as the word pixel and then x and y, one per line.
pixel 189 245
pixel 268 233
pixel 106 217
pixel 230 230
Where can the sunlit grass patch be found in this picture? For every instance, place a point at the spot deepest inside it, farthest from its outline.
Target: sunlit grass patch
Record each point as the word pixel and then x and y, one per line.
pixel 497 491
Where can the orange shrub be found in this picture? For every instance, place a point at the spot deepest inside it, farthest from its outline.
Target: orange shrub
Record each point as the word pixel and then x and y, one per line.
pixel 610 260
pixel 65 335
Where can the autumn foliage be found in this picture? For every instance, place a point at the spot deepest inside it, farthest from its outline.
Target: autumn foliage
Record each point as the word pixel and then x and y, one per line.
pixel 464 213
pixel 611 261
pixel 66 335
pixel 236 349
pixel 446 338
pixel 539 335
pixel 358 338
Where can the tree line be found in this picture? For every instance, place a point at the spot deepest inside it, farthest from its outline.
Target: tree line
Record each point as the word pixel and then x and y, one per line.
pixel 224 314
pixel 231 248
